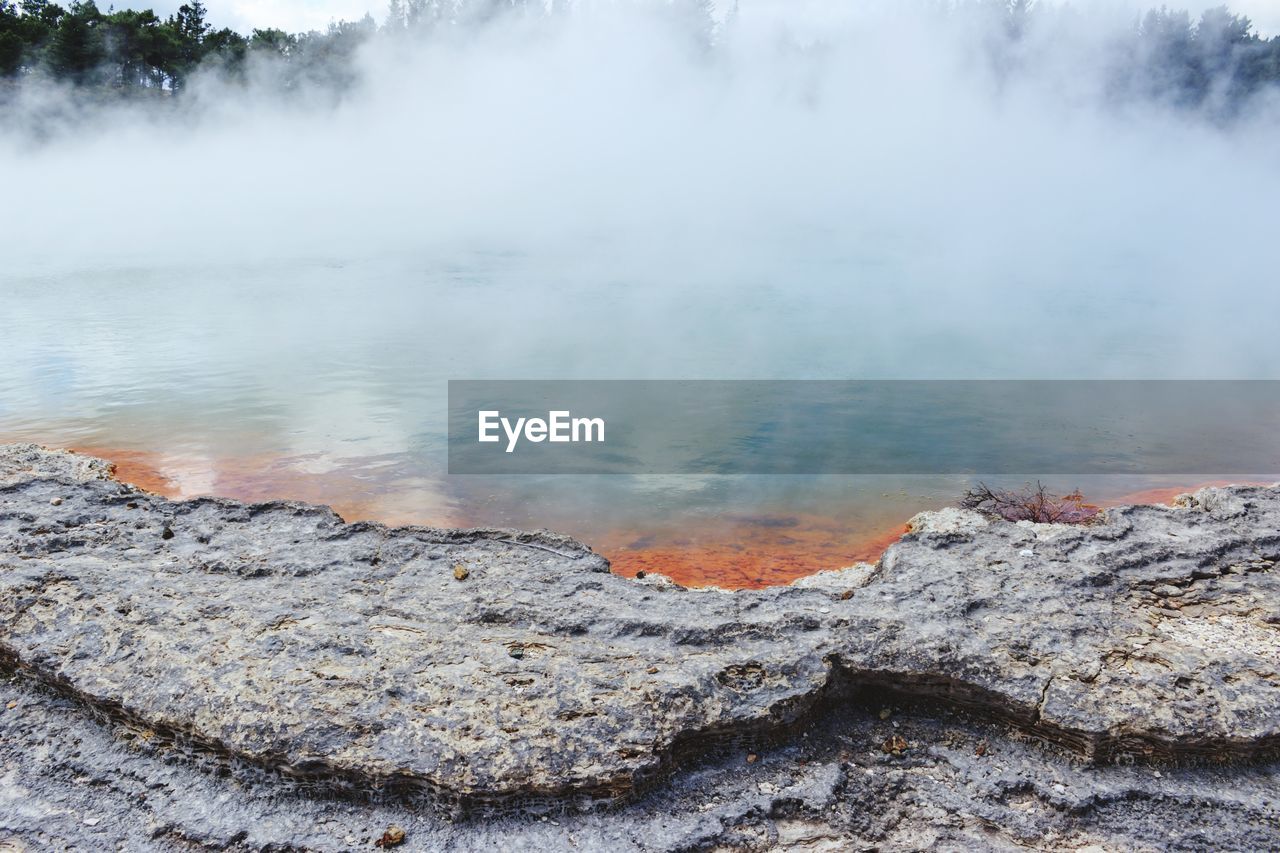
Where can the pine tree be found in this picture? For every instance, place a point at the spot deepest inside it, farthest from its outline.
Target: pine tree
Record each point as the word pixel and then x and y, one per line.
pixel 76 49
pixel 396 20
pixel 697 18
pixel 10 41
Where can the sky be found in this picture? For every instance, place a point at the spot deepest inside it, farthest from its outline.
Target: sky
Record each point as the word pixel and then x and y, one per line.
pixel 301 15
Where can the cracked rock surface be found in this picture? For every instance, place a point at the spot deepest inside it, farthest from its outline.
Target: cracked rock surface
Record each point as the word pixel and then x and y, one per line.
pixel 67 783
pixel 218 652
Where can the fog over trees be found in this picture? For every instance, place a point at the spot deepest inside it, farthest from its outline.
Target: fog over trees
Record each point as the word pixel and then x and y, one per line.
pixel 132 53
pixel 1215 63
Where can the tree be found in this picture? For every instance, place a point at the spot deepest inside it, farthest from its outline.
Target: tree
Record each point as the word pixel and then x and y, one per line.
pixel 10 40
pixel 76 48
pixel 10 53
pixel 696 18
pixel 38 23
pixel 226 49
pixel 190 22
pixel 1018 16
pixel 426 14
pixel 135 45
pixel 396 20
pixel 1215 64
pixel 480 12
pixel 273 41
pixel 1219 37
pixel 1167 57
pixel 186 34
pixel 731 17
pixel 11 45
pixel 40 10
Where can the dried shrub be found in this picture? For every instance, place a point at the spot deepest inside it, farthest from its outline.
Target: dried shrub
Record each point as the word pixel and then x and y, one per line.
pixel 1030 503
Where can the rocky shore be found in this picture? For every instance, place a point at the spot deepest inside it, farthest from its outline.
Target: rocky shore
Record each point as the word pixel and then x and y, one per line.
pixel 206 673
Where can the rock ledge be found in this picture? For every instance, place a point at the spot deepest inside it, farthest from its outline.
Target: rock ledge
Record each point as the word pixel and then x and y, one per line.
pixel 495 667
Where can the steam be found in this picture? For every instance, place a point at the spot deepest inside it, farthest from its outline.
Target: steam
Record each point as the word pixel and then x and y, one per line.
pixel 878 160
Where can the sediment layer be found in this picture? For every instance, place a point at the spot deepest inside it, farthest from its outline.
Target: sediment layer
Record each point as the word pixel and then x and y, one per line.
pixel 491 666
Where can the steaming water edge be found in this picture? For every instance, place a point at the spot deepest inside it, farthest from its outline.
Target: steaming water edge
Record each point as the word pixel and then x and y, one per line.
pixel 325 380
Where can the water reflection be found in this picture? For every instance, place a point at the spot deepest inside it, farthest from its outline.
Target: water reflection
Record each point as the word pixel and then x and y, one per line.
pixel 325 381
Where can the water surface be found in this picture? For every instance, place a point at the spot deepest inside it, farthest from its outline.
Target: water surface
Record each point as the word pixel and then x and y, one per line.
pixel 324 379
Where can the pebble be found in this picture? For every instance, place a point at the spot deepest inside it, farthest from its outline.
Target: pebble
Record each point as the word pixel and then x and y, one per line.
pixel 393 837
pixel 1027 552
pixel 55 501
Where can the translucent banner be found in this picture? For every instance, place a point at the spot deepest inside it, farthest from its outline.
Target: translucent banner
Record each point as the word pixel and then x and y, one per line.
pixel 1080 427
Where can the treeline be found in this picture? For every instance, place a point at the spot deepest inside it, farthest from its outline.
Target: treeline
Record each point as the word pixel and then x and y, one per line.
pixel 1216 61
pixel 129 51
pixel 138 52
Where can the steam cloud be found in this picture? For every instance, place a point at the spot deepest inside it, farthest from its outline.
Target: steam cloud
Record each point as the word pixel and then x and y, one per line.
pixel 879 158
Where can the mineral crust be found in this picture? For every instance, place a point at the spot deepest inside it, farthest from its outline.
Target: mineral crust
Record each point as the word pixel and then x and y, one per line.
pixel 483 671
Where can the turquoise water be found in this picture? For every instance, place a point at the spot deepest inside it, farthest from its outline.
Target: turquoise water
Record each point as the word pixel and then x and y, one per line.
pixel 260 297
pixel 325 378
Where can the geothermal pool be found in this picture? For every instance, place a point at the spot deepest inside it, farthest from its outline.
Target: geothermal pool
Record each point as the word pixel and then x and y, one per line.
pixel 324 379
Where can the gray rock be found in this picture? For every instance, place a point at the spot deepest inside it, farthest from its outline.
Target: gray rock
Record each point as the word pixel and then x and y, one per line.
pixel 348 657
pixel 830 788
